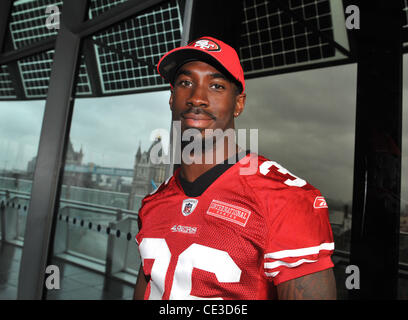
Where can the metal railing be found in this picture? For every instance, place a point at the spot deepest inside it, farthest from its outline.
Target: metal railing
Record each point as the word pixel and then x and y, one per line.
pixel 94 236
pixel 101 237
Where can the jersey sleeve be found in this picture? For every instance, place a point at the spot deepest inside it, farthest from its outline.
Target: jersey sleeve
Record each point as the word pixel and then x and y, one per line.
pixel 140 218
pixel 300 239
pixel 142 211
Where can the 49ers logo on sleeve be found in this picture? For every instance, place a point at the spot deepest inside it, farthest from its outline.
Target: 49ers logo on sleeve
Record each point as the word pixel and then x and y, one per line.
pixel 320 202
pixel 205 44
pixel 229 212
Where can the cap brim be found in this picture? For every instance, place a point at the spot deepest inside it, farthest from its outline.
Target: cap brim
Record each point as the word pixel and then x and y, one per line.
pixel 171 62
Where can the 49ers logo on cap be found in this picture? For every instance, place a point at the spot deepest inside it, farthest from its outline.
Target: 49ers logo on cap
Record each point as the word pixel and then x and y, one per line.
pixel 205 44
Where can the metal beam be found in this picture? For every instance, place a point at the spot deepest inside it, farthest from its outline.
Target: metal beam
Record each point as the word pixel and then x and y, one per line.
pixel 25 52
pixel 226 21
pixel 92 67
pixel 377 160
pixel 50 158
pixel 5 9
pixel 297 68
pixel 15 78
pixel 187 17
pixel 15 75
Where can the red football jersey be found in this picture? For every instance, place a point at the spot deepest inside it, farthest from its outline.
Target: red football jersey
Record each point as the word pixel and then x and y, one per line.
pixel 240 238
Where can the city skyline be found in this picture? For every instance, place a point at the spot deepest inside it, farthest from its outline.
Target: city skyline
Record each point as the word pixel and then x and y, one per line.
pixel 305 122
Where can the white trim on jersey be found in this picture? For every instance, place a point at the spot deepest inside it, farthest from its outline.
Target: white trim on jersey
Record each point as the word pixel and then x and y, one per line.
pixel 272 274
pixel 299 252
pixel 165 182
pixel 275 264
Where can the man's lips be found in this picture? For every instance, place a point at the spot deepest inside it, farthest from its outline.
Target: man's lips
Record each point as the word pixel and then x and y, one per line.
pixel 196 120
pixel 195 116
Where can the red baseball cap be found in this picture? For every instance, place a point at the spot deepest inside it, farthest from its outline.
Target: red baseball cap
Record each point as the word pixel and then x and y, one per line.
pixel 210 50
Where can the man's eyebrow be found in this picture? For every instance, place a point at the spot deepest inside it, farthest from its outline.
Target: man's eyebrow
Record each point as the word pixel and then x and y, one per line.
pixel 182 71
pixel 218 75
pixel 189 73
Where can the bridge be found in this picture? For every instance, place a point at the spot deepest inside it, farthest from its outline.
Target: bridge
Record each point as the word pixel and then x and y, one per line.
pixel 99 170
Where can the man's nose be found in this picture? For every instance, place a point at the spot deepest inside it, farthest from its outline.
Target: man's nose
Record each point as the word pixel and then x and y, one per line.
pixel 198 97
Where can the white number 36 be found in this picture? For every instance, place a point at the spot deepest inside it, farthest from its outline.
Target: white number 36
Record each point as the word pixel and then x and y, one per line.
pixel 195 256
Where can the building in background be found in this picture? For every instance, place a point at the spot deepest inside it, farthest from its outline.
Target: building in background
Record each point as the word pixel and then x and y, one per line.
pixel 147 175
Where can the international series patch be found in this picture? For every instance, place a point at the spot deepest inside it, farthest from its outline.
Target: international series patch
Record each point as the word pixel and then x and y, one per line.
pixel 229 212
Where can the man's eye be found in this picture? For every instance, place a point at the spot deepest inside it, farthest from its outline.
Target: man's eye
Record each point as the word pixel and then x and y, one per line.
pixel 217 86
pixel 185 83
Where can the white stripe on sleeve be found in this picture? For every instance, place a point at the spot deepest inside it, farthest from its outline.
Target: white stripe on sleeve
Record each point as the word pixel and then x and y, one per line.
pixel 299 252
pixel 275 264
pixel 272 274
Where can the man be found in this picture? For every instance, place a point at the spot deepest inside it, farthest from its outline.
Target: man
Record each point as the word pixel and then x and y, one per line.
pixel 211 232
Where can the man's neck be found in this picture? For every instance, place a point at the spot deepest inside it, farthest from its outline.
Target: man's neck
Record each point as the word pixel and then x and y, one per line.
pixel 191 172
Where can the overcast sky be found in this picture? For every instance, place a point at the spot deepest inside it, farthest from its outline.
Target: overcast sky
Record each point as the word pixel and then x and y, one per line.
pixel 306 123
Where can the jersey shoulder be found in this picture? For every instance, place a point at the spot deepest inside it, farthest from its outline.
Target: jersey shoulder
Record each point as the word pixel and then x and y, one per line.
pixel 161 191
pixel 277 188
pixel 271 175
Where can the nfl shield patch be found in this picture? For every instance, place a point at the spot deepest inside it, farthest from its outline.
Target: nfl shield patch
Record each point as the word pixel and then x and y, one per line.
pixel 188 206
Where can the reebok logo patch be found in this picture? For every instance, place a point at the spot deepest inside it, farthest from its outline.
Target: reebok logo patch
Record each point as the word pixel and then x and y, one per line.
pixel 320 202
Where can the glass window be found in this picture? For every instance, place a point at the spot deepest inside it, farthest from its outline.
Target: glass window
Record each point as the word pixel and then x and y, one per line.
pixel 403 254
pixel 108 169
pixel 20 126
pixel 306 123
pixel 102 190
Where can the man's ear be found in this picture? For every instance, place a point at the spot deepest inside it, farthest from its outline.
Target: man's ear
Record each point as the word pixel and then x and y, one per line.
pixel 239 104
pixel 171 99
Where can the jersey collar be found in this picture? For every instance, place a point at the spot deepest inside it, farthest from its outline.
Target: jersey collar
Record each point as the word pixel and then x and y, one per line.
pixel 199 185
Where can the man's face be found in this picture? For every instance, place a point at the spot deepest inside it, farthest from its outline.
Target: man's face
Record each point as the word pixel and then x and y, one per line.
pixel 203 98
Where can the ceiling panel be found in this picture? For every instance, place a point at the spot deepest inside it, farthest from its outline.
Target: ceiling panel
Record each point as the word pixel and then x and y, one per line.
pixel 28 21
pixel 130 50
pixel 273 39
